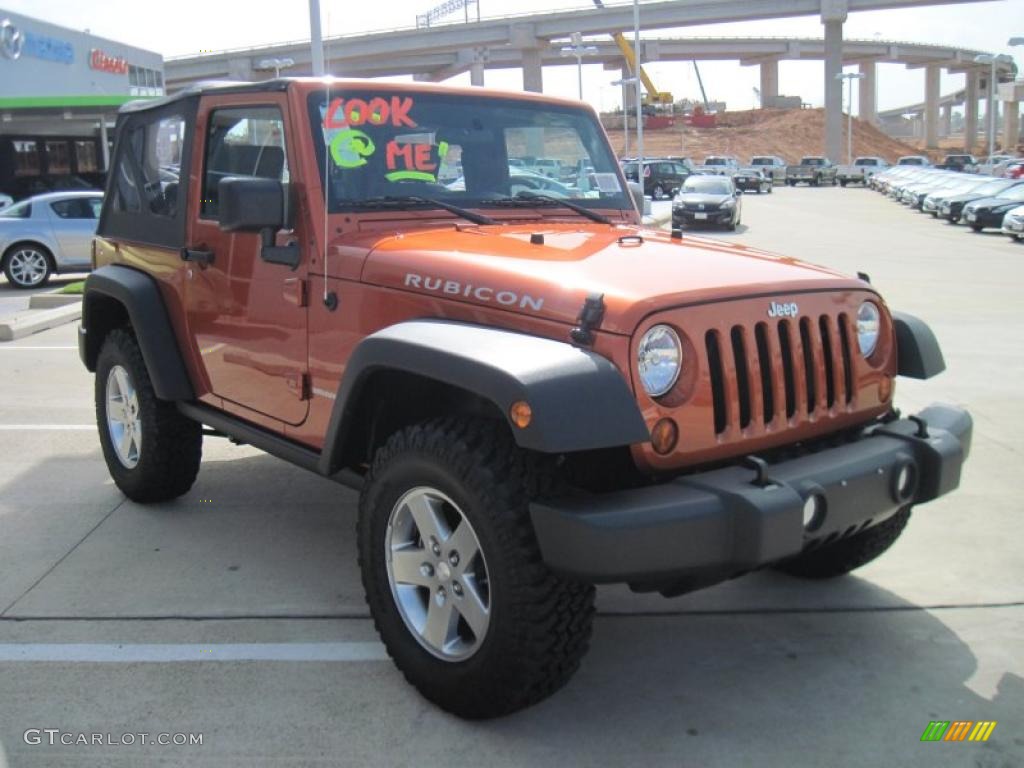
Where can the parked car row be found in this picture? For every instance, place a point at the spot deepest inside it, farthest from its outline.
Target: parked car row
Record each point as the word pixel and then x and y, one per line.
pixel 47 234
pixel 959 197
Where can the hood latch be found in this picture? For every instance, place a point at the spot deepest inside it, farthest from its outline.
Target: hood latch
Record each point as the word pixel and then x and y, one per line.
pixel 589 320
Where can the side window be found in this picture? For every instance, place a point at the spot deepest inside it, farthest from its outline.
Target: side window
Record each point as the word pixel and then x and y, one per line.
pixel 75 208
pixel 242 141
pixel 146 178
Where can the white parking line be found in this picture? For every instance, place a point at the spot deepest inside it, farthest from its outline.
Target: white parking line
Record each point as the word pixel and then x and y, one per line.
pixel 45 427
pixel 190 652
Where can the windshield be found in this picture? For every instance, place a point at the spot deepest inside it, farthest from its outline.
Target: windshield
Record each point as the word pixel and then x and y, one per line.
pixel 707 186
pixel 993 188
pixel 761 161
pixel 1014 193
pixel 463 150
pixel 716 161
pixel 812 161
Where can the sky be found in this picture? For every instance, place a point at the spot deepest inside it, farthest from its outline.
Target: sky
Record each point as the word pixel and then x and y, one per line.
pixel 187 26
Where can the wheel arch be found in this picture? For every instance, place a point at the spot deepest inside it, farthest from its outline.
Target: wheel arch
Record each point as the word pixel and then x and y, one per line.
pixel 436 364
pixel 35 242
pixel 117 296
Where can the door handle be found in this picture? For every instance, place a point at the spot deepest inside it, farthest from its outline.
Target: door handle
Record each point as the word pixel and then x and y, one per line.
pixel 199 256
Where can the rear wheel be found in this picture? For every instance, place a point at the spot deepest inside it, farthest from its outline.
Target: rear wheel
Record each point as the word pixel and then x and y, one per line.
pixel 151 450
pixel 846 555
pixel 976 227
pixel 453 574
pixel 659 192
pixel 28 265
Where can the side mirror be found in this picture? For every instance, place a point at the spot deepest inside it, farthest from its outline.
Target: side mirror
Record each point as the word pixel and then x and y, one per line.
pixel 248 204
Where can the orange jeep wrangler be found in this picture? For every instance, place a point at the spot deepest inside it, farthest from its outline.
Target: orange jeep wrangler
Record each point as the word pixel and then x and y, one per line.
pixel 532 393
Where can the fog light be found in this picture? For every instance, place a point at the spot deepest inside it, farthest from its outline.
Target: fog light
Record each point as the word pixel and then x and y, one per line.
pixel 521 414
pixel 814 512
pixel 664 436
pixel 906 482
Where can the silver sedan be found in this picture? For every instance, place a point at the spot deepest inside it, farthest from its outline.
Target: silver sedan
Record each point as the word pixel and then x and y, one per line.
pixel 46 234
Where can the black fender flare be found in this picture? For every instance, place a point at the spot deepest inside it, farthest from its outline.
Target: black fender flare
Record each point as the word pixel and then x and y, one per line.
pixel 140 296
pixel 918 355
pixel 579 399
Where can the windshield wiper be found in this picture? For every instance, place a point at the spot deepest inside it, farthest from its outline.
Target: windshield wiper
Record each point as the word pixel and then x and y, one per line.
pixel 390 201
pixel 525 196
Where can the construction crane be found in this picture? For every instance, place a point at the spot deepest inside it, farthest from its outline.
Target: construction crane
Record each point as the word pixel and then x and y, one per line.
pixel 653 95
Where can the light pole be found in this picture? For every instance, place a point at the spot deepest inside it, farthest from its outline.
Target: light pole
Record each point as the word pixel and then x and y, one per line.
pixel 636 75
pixel 275 64
pixel 316 41
pixel 579 50
pixel 849 77
pixel 987 58
pixel 625 111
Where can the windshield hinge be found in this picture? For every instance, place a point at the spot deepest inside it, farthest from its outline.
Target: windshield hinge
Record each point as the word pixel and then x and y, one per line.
pixel 589 320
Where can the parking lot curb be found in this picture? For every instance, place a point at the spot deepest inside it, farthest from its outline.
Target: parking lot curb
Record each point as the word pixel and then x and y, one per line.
pixel 34 320
pixel 53 299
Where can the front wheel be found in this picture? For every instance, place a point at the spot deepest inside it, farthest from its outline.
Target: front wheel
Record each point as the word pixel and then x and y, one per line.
pixel 453 574
pixel 27 266
pixel 844 556
pixel 151 450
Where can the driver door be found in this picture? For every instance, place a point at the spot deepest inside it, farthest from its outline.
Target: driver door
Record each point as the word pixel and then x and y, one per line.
pixel 247 317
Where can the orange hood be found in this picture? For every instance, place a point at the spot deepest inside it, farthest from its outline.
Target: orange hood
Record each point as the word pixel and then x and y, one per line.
pixel 639 271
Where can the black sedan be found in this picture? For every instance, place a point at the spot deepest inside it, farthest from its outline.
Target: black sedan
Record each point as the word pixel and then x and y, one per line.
pixel 707 200
pixel 952 208
pixel 751 179
pixel 989 211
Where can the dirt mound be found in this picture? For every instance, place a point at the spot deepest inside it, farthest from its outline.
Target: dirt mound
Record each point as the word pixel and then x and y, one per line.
pixel 788 133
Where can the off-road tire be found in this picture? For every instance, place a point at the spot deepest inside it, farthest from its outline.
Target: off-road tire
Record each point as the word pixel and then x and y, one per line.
pixel 171 445
pixel 540 624
pixel 844 556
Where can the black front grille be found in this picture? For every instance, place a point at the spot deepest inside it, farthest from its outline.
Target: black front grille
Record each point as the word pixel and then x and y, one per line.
pixel 783 369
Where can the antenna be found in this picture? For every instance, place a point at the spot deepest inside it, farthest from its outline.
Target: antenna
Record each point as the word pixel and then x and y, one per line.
pixel 330 298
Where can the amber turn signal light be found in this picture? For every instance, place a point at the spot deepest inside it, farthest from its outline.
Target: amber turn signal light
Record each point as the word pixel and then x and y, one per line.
pixel 664 436
pixel 521 414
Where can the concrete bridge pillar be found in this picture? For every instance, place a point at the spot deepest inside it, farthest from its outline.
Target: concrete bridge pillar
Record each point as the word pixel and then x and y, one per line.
pixel 1011 94
pixel 476 73
pixel 769 82
pixel 932 80
pixel 833 88
pixel 533 70
pixel 971 110
pixel 946 120
pixel 868 93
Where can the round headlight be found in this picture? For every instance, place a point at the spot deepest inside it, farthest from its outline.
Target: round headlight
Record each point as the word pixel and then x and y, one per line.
pixel 659 358
pixel 868 325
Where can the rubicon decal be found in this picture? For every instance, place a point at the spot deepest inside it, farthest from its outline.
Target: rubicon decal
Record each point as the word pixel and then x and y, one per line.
pixel 789 309
pixel 506 298
pixel 958 730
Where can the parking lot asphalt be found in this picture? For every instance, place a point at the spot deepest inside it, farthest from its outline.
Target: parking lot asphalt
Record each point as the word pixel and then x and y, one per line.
pixel 236 612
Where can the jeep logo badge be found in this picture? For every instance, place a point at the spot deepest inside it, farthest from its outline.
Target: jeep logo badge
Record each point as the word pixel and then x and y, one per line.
pixel 788 309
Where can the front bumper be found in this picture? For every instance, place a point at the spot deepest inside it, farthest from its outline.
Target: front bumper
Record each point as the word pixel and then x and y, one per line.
pixel 1014 226
pixel 703 528
pixel 984 218
pixel 710 217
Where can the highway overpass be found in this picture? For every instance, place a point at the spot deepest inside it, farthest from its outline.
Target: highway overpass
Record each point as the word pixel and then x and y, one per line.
pixel 532 41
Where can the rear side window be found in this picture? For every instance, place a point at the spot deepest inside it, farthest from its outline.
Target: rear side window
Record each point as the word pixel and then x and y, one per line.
pixel 150 167
pixel 242 141
pixel 146 190
pixel 76 208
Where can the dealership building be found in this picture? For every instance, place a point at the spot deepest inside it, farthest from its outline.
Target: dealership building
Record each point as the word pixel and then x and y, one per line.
pixel 59 94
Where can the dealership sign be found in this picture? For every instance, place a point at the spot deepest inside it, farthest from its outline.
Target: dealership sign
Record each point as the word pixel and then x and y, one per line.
pixel 14 43
pixel 115 65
